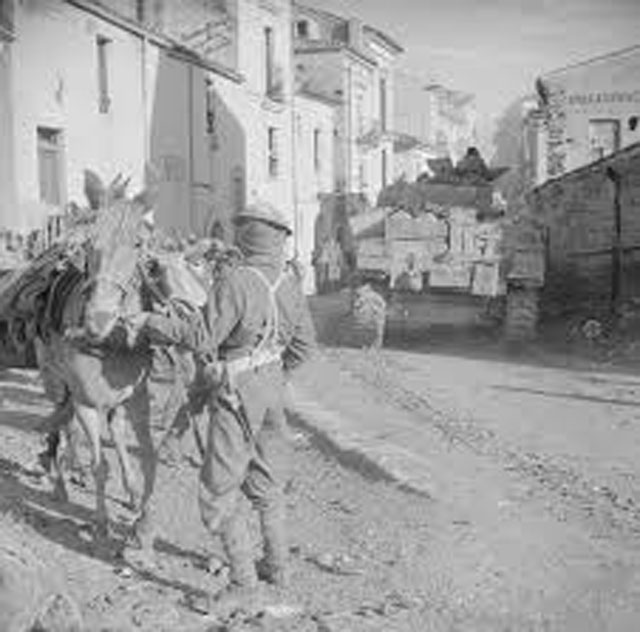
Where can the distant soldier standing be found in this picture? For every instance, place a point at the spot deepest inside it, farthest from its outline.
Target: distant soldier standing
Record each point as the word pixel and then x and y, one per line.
pixel 261 329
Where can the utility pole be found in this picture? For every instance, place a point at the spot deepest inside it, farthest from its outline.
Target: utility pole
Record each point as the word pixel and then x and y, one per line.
pixel 616 251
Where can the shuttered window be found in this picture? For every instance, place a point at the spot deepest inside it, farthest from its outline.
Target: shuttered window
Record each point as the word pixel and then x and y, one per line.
pixel 269 59
pixel 103 46
pixel 604 137
pixel 316 149
pixel 272 145
pixel 50 165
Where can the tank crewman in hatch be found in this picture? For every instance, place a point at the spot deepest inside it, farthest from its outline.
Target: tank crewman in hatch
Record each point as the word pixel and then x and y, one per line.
pixel 260 330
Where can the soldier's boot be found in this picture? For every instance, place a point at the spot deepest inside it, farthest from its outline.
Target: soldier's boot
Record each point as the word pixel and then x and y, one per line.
pixel 274 566
pixel 243 591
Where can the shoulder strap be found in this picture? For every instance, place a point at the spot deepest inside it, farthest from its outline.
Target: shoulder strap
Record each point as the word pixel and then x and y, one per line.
pixel 272 326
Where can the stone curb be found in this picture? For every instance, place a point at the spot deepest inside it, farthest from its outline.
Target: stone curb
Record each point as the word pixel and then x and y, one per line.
pixel 374 458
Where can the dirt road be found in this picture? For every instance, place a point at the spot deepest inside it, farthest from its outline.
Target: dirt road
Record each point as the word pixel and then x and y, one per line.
pixel 530 524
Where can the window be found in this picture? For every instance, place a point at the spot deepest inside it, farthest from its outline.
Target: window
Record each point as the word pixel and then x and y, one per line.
pixel 269 59
pixel 140 12
pixel 50 165
pixel 210 107
pixel 272 152
pixel 360 115
pixel 362 177
pixel 316 149
pixel 384 167
pixel 103 45
pixel 383 104
pixel 237 176
pixel 302 29
pixel 604 137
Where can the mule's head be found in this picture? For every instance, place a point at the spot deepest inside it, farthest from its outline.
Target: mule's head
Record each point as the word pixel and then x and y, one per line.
pixel 114 254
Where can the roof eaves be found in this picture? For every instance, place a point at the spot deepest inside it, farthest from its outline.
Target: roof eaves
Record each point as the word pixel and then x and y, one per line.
pixel 592 60
pixel 386 39
pixel 323 13
pixel 175 48
pixel 326 47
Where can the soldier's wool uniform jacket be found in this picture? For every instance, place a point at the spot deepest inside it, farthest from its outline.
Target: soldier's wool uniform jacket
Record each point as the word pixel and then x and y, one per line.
pixel 238 309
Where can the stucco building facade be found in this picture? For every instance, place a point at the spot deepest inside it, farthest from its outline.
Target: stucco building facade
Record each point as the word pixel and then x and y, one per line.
pixel 345 59
pixel 589 111
pixel 313 171
pixel 101 86
pixel 441 118
pixel 411 157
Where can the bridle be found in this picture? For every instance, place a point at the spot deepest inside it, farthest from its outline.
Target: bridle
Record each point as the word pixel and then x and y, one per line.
pixel 108 279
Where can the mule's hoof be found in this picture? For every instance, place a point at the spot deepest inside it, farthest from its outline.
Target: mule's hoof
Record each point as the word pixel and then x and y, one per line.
pixel 143 535
pixel 134 502
pixel 45 462
pixel 79 479
pixel 60 494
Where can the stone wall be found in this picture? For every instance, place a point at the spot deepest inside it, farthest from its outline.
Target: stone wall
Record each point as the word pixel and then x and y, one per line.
pixel 578 210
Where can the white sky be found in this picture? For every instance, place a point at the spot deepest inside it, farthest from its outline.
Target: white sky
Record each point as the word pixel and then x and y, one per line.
pixel 495 48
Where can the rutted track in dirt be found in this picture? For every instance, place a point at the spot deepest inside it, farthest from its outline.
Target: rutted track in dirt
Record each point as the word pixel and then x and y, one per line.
pixel 572 495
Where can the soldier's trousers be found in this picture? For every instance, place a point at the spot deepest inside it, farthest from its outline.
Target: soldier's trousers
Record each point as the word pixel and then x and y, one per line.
pixel 245 449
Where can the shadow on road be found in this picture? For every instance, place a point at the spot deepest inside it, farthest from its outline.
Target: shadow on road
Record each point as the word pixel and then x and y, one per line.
pixel 576 396
pixel 65 523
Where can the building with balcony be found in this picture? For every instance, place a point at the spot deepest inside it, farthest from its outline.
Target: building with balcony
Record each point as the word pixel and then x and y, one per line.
pixel 587 111
pixel 411 157
pixel 352 62
pixel 314 170
pixel 442 118
pixel 252 122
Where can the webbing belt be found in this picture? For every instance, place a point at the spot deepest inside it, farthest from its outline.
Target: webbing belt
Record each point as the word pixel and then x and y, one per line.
pixel 268 350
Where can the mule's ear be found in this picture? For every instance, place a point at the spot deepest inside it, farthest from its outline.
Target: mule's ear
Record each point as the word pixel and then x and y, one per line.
pixel 115 182
pixel 118 188
pixel 125 186
pixel 94 189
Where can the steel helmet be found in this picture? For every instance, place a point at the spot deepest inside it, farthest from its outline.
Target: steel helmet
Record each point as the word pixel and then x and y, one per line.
pixel 265 212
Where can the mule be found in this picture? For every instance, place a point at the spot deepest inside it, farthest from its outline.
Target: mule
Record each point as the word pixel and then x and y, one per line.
pixel 105 379
pixel 108 384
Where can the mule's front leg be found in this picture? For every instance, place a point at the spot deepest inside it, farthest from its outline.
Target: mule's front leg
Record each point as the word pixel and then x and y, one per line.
pixel 50 462
pixel 91 419
pixel 145 526
pixel 117 428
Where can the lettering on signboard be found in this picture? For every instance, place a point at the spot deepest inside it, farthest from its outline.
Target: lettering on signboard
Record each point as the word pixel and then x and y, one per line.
pixel 589 98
